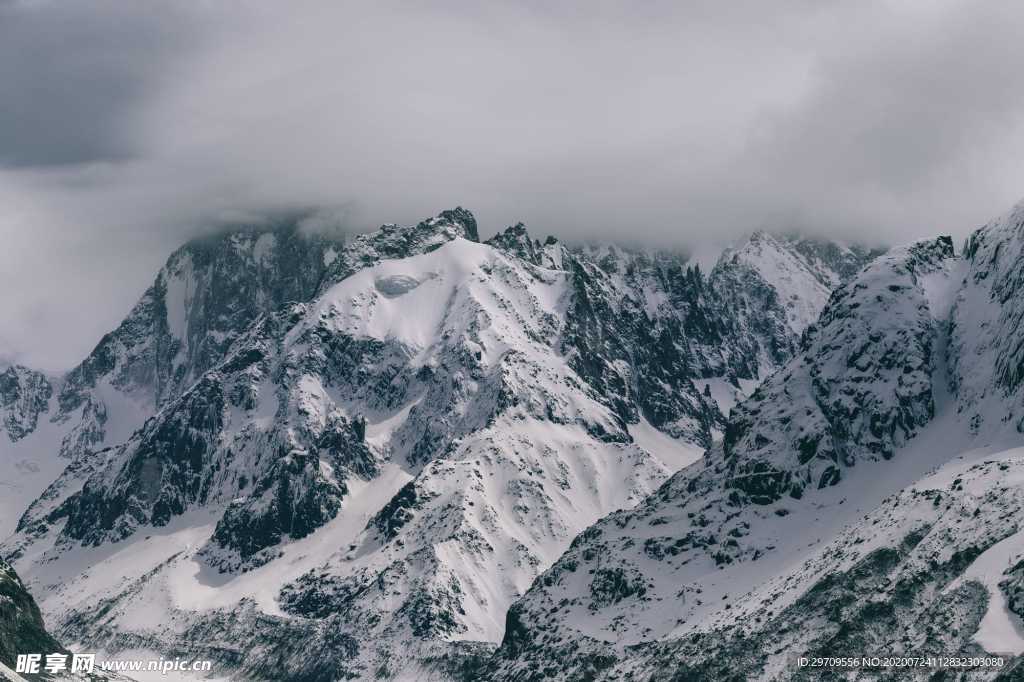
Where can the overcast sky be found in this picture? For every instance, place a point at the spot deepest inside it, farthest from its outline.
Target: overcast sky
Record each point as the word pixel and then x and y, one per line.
pixel 128 127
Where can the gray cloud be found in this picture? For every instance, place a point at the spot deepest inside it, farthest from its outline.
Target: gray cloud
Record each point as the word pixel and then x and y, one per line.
pixel 128 128
pixel 71 73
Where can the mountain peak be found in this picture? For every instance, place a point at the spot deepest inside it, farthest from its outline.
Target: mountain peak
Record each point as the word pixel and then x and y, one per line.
pixel 802 272
pixel 460 218
pixel 516 240
pixel 439 416
pixel 932 250
pixel 762 236
pixel 208 292
pixel 392 240
pixel 457 222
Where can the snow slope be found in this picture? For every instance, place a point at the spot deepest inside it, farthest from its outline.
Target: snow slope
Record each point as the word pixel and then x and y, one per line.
pixel 458 355
pixel 866 498
pixel 379 460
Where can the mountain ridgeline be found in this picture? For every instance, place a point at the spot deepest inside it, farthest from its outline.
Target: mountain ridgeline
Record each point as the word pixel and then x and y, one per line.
pixel 380 444
pixel 865 498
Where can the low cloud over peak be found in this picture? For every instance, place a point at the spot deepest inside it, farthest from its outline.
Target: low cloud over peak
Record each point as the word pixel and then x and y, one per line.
pixel 129 129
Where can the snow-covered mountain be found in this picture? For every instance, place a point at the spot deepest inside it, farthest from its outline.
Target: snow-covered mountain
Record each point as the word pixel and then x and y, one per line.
pixel 866 500
pixel 376 445
pixel 206 296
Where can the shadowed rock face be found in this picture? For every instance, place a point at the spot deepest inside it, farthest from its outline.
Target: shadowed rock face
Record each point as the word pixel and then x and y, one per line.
pixel 209 292
pixel 986 353
pixel 860 387
pixel 24 396
pixel 642 326
pixel 21 625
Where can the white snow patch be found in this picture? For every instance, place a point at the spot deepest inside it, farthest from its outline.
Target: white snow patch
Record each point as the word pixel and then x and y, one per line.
pixel 264 247
pixel 125 412
pixel 1000 630
pixel 654 299
pixel 194 586
pixel 178 298
pixel 457 287
pixel 330 255
pixel 725 395
pixel 674 454
pixel 800 292
pixel 941 287
pixel 379 433
pixel 26 468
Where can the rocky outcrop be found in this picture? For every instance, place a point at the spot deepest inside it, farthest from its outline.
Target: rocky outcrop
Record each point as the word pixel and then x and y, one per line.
pixel 21 625
pixel 861 386
pixel 24 397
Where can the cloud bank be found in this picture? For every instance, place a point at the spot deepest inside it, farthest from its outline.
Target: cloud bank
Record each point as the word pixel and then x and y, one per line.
pixel 129 127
